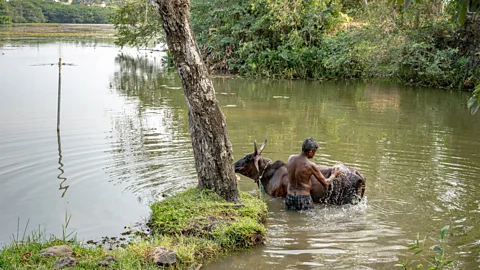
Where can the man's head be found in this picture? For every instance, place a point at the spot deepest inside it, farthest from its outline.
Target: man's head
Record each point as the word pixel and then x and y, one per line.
pixel 309 147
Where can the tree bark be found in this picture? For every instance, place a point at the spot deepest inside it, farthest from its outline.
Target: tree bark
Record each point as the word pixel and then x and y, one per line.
pixel 212 149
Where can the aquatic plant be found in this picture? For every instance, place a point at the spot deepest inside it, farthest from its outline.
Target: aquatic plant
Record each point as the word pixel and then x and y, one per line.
pixel 474 101
pixel 436 261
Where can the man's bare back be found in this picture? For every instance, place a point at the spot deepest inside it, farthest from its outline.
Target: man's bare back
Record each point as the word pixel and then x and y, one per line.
pixel 299 172
pixel 300 169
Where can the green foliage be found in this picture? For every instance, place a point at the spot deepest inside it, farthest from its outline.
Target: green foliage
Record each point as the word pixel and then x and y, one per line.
pixel 460 9
pixel 36 11
pixel 250 37
pixel 26 11
pixel 436 261
pixel 422 63
pixel 58 13
pixel 25 253
pixel 474 101
pixel 4 19
pixel 138 24
pixel 4 13
pixel 412 41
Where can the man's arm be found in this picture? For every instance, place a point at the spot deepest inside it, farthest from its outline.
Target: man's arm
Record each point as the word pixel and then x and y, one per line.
pixel 318 174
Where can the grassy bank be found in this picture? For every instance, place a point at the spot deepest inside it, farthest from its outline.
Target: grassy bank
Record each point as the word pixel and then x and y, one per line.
pixel 198 226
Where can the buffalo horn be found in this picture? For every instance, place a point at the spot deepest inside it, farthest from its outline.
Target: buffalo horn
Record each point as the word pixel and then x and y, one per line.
pixel 263 146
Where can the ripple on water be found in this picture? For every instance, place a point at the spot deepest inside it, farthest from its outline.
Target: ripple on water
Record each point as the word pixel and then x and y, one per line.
pixel 332 236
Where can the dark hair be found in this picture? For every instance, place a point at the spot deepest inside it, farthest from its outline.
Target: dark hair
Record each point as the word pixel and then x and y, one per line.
pixel 309 144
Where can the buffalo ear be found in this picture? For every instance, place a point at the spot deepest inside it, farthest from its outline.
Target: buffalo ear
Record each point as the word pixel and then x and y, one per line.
pixel 255 152
pixel 262 147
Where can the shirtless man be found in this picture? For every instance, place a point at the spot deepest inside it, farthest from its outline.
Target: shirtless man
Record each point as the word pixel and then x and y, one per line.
pixel 300 168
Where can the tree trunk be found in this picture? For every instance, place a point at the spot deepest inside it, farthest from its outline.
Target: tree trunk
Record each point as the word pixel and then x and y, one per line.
pixel 212 149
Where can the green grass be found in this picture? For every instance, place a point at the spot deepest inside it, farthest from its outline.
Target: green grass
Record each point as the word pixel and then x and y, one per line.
pixel 205 214
pixel 198 225
pixel 25 253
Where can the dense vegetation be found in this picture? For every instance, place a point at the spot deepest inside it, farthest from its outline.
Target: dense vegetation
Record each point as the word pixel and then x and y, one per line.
pixel 412 41
pixel 38 11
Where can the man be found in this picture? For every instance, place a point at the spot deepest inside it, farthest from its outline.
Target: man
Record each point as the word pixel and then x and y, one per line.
pixel 300 169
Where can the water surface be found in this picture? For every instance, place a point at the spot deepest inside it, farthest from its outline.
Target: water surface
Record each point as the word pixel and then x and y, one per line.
pixel 124 143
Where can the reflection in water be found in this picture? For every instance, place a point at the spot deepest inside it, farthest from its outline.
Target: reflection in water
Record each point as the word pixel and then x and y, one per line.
pixel 150 141
pixel 60 168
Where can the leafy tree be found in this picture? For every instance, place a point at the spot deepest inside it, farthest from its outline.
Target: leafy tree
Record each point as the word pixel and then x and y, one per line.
pixel 26 11
pixel 4 13
pixel 35 11
pixel 137 24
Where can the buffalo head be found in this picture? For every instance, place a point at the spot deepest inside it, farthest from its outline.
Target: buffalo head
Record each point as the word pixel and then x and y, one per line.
pixel 248 165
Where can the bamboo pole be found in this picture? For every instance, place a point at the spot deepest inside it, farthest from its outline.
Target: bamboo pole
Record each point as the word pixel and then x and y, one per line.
pixel 58 131
pixel 59 91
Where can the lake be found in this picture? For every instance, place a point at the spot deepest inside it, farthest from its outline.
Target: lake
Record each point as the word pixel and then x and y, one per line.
pixel 124 143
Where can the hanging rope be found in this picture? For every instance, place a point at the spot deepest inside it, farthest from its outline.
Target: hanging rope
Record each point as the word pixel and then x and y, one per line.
pixel 262 188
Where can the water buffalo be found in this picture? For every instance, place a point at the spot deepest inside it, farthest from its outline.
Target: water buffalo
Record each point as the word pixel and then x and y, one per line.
pixel 349 187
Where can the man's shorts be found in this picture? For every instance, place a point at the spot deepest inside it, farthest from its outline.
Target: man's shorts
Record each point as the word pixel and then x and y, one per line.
pixel 300 202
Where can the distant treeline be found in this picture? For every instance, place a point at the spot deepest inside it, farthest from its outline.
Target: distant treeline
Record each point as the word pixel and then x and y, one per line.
pixel 38 11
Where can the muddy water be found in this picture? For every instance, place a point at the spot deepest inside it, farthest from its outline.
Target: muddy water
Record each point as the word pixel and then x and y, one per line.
pixel 124 142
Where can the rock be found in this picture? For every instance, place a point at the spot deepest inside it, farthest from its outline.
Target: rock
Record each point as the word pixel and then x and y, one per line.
pixel 65 262
pixel 163 256
pixel 56 251
pixel 106 262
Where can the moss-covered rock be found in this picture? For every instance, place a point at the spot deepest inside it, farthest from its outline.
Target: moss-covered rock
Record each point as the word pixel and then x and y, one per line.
pixel 206 215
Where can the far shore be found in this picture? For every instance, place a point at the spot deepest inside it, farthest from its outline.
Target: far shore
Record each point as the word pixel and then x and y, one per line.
pixel 57 30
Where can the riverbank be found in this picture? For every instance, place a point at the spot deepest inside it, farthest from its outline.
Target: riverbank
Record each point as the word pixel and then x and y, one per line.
pixel 26 30
pixel 186 231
